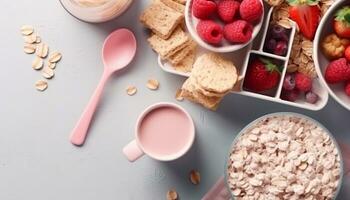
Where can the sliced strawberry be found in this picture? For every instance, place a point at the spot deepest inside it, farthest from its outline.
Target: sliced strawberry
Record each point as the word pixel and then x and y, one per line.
pixel 307 17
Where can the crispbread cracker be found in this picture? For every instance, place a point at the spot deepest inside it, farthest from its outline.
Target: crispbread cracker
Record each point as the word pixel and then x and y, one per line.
pixel 189 92
pixel 209 93
pixel 187 63
pixel 214 73
pixel 174 5
pixel 167 48
pixel 161 19
pixel 183 2
pixel 182 53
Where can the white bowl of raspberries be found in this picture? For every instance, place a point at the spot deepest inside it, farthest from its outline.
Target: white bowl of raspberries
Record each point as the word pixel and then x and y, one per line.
pixel 224 25
pixel 332 51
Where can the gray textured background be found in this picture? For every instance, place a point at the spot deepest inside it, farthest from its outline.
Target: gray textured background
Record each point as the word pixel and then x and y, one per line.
pixel 37 161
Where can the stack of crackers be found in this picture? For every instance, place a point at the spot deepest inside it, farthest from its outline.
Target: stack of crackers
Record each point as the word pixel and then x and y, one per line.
pixel 211 79
pixel 212 76
pixel 165 18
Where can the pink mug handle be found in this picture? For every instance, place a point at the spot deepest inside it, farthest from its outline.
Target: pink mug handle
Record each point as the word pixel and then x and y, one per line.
pixel 218 192
pixel 345 149
pixel 132 151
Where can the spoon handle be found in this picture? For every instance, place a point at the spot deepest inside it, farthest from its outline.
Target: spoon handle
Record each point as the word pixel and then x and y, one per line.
pixel 78 134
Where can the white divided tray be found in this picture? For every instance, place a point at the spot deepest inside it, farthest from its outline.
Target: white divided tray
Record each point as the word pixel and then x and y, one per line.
pixel 241 60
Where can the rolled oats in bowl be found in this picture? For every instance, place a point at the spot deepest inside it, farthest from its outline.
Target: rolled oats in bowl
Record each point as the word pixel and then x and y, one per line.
pixel 284 156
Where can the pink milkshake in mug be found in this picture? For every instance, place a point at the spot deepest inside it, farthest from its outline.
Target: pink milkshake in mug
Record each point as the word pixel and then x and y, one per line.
pixel 164 131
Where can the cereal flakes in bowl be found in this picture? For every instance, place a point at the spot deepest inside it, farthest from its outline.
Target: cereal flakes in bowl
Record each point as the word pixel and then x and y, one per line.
pixel 284 156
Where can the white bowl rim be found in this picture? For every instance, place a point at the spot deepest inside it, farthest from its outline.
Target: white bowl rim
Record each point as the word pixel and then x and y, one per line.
pixel 219 49
pixel 315 52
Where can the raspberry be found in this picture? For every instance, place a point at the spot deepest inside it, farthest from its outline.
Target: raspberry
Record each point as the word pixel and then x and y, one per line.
pixel 209 31
pixel 337 71
pixel 227 10
pixel 203 9
pixel 238 31
pixel 347 53
pixel 311 97
pixel 290 95
pixel 347 88
pixel 251 10
pixel 303 82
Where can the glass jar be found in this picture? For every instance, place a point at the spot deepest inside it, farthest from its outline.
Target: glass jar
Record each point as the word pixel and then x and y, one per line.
pixel 95 11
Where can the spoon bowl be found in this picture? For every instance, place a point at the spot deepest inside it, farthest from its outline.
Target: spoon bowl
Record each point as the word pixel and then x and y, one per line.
pixel 118 50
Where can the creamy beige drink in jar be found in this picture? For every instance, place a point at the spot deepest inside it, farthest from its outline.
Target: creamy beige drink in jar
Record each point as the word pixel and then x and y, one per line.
pixel 96 10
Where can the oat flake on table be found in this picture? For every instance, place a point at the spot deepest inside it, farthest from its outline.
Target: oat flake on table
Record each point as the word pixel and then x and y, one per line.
pixel 29 48
pixel 41 85
pixel 37 63
pixel 171 195
pixel 152 84
pixel 48 73
pixel 55 57
pixel 30 38
pixel 195 177
pixel 42 50
pixel 27 29
pixel 131 90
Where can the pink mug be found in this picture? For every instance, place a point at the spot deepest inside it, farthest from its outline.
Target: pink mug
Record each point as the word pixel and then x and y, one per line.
pixel 164 131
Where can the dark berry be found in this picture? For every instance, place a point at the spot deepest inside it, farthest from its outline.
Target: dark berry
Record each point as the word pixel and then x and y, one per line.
pixel 281 48
pixel 278 32
pixel 311 97
pixel 289 82
pixel 271 45
pixel 290 95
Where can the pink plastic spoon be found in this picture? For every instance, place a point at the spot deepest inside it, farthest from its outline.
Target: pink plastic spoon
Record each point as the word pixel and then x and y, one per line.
pixel 118 50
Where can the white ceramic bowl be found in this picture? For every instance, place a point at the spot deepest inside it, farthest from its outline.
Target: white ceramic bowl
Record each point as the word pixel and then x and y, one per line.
pixel 289 114
pixel 321 62
pixel 191 23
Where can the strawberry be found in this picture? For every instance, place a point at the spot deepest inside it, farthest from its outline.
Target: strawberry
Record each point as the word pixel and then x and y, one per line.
pixel 341 23
pixel 262 75
pixel 306 14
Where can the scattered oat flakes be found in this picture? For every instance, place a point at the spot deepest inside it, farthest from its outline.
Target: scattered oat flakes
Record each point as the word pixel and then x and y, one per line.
pixel 30 38
pixel 42 50
pixel 29 48
pixel 48 73
pixel 131 90
pixel 285 23
pixel 171 195
pixel 152 84
pixel 37 63
pixel 27 29
pixel 195 177
pixel 41 85
pixel 55 57
pixel 178 95
pixel 51 65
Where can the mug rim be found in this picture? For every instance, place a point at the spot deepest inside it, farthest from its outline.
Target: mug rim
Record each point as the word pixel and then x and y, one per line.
pixel 249 125
pixel 178 154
